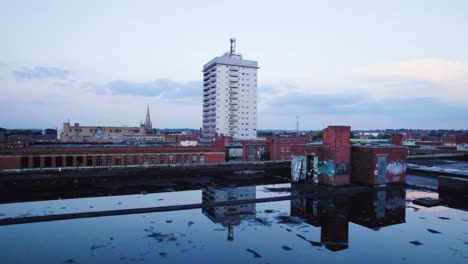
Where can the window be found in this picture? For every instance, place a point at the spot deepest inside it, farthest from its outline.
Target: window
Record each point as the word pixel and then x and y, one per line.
pixel 251 153
pixel 178 159
pixel 162 159
pixel 145 159
pixel 118 161
pixel 89 161
pixel 127 160
pixel 24 162
pixel 99 161
pixel 69 161
pixel 136 160
pixel 194 158
pixel 202 158
pixel 36 162
pixel 47 162
pixel 282 149
pixel 153 161
pixel 108 160
pixel 171 159
pixel 187 158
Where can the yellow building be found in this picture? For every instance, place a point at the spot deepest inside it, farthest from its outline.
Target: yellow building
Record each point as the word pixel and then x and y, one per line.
pixel 77 133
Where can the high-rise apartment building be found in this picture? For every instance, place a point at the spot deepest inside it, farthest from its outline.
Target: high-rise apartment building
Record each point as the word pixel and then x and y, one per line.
pixel 230 96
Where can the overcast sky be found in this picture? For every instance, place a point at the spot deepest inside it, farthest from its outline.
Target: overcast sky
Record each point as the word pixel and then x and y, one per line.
pixel 367 64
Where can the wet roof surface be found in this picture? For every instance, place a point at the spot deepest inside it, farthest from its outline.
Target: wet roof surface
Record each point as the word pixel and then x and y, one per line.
pixel 381 226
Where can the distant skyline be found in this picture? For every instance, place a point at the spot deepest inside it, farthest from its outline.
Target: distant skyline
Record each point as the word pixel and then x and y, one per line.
pixel 366 64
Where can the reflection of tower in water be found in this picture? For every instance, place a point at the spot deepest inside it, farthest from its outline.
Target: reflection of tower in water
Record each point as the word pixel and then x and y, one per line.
pixel 230 215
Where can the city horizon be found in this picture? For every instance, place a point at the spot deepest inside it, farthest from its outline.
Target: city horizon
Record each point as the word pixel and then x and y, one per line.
pixel 356 70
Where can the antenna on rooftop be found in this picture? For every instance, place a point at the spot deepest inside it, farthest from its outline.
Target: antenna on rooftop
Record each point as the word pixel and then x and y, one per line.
pixel 297 125
pixel 233 46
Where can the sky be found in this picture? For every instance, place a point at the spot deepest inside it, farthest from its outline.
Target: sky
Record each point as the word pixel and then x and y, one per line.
pixel 367 64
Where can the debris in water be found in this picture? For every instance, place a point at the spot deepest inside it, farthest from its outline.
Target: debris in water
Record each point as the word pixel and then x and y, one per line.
pixel 262 221
pixel 301 236
pixel 416 242
pixel 415 209
pixel 286 219
pixel 93 247
pixel 444 218
pixel 315 244
pixel 190 223
pixel 426 201
pixel 70 261
pixel 169 237
pixel 256 255
pixel 434 231
pixel 286 248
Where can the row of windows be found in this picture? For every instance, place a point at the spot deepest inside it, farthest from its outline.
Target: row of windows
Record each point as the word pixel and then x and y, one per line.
pixel 107 160
pixel 285 150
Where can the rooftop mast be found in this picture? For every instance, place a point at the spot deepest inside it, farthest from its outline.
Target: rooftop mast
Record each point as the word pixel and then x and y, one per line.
pixel 233 46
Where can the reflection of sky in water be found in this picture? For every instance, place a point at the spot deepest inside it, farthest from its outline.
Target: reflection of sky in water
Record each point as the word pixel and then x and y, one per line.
pixel 445 165
pixel 188 235
pixel 120 202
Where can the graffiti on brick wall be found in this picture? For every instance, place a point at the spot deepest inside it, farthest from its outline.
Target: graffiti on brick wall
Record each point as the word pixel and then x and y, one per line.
pixel 342 168
pixel 312 168
pixel 396 167
pixel 304 168
pixel 462 147
pixel 327 167
pixel 298 170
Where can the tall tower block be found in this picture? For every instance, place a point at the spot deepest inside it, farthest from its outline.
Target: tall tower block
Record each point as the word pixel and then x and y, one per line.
pixel 230 96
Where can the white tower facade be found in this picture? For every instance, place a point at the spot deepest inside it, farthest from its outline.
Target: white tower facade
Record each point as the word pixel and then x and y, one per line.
pixel 230 96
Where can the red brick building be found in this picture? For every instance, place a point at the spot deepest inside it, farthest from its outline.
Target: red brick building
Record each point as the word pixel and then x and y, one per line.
pixel 377 165
pixel 336 163
pixel 96 156
pixel 280 146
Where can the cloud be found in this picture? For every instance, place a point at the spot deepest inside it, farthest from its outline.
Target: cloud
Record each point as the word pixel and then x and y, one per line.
pixel 162 88
pixel 422 110
pixel 427 77
pixel 318 100
pixel 40 72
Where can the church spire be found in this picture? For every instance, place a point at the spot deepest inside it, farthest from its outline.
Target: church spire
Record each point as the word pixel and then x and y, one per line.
pixel 148 125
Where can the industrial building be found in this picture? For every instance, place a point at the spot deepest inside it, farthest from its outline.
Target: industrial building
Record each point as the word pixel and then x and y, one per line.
pixel 106 156
pixel 337 163
pixel 230 96
pixel 115 134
